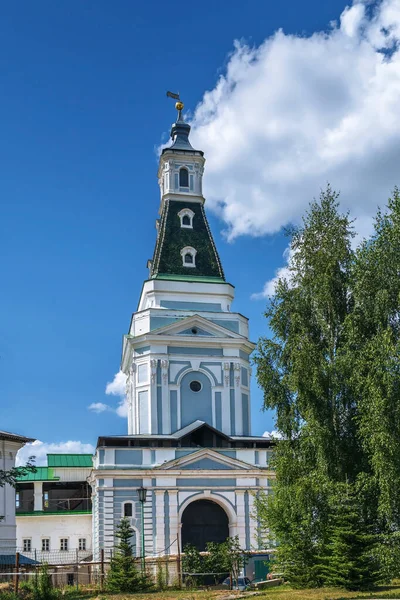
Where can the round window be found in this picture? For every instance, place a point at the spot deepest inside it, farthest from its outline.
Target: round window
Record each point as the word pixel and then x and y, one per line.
pixel 195 386
pixel 194 330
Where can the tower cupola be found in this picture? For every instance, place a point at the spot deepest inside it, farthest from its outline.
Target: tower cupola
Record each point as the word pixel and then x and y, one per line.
pixel 180 173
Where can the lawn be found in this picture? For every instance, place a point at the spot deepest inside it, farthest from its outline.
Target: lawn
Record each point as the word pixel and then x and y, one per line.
pixel 283 592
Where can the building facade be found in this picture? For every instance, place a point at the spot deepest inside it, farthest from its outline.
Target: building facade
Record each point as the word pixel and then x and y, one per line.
pixel 186 358
pixel 53 509
pixel 10 443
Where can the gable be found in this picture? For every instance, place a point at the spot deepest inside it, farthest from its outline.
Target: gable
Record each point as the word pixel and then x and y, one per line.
pixel 206 459
pixel 195 331
pixel 197 326
pixel 207 463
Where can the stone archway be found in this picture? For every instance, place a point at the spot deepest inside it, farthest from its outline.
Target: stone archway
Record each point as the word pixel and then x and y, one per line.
pixel 204 521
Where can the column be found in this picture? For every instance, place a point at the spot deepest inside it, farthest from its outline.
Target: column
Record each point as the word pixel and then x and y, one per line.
pixel 253 523
pixel 37 495
pixel 108 512
pixel 160 520
pixel 238 399
pixel 225 400
pixel 241 518
pixel 173 520
pixel 166 410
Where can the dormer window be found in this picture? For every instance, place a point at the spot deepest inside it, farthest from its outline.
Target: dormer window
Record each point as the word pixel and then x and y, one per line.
pixel 183 177
pixel 188 256
pixel 186 216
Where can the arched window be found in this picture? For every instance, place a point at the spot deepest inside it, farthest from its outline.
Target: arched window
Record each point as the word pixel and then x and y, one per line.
pixel 128 509
pixel 188 256
pixel 183 177
pixel 186 216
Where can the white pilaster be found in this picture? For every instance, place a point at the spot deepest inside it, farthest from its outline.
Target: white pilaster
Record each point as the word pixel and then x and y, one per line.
pixel 166 413
pixel 253 523
pixel 37 495
pixel 173 520
pixel 238 399
pixel 160 520
pixel 226 400
pixel 241 518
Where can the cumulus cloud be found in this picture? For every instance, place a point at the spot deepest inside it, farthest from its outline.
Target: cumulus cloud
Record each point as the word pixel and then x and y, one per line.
pixel 41 449
pixel 117 387
pixel 281 273
pixel 296 112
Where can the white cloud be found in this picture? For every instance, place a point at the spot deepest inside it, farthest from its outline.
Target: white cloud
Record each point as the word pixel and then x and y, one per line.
pixel 296 112
pixel 117 387
pixel 41 449
pixel 272 435
pixel 281 273
pixel 99 407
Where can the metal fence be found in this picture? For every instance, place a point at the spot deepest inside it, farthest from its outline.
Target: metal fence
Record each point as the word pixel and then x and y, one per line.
pixel 76 568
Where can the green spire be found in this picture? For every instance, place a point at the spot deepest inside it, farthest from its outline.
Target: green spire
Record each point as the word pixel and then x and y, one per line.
pixel 173 238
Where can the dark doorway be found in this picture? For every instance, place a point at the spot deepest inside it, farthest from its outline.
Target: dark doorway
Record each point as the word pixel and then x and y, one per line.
pixel 204 521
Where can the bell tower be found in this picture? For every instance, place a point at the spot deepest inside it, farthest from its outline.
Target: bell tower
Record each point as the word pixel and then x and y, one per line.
pixel 186 354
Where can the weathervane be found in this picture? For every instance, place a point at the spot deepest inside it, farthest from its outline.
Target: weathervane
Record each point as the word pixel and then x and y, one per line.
pixel 178 105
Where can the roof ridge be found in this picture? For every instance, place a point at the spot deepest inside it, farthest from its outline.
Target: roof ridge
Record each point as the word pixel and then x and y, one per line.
pixel 160 240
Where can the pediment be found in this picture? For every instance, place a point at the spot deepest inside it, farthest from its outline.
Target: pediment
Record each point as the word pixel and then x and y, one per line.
pixel 206 460
pixel 197 326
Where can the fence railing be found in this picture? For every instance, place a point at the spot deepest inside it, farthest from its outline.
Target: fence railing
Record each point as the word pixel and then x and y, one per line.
pixel 59 505
pixel 77 569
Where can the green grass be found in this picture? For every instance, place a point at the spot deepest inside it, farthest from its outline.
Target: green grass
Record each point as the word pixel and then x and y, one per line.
pixel 283 592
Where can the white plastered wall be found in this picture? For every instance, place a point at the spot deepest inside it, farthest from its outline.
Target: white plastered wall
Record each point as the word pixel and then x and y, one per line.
pixel 55 527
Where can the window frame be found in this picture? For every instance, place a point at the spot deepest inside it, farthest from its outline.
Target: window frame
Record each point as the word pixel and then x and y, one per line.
pixel 184 252
pixel 44 540
pixel 82 544
pixel 27 544
pixel 186 187
pixel 124 505
pixel 186 212
pixel 66 540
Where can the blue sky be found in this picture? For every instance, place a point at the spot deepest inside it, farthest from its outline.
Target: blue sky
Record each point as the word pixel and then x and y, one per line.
pixel 83 110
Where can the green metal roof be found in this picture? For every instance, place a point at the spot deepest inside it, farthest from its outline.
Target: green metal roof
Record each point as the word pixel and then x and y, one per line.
pixel 70 460
pixel 197 278
pixel 41 474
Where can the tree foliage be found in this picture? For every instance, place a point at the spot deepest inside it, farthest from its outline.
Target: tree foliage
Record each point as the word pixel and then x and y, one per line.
pixel 123 576
pixel 330 370
pixel 10 477
pixel 219 560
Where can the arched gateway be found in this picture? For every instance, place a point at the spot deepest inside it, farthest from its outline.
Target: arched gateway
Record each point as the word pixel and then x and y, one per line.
pixel 204 521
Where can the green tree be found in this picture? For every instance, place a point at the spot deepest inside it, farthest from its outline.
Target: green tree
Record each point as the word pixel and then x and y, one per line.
pixel 234 557
pixel 374 343
pixel 124 576
pixel 10 477
pixel 192 564
pixel 352 559
pixel 303 371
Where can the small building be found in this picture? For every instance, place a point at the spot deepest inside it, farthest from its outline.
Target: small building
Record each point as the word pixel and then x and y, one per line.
pixel 10 443
pixel 54 508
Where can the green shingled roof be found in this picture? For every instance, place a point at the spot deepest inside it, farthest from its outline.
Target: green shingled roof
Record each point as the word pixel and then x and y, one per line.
pixel 70 460
pixel 41 474
pixel 167 259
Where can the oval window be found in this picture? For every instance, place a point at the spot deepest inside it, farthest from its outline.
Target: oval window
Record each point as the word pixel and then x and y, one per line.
pixel 195 386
